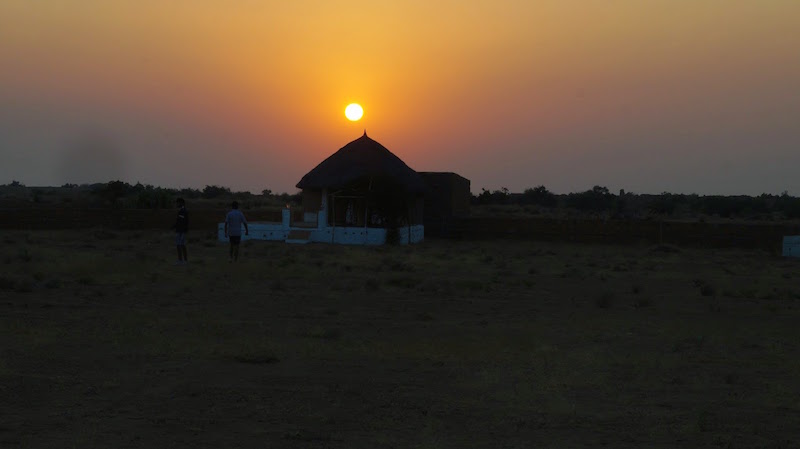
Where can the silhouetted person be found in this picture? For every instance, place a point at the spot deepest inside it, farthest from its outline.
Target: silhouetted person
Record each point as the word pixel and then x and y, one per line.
pixel 181 228
pixel 233 229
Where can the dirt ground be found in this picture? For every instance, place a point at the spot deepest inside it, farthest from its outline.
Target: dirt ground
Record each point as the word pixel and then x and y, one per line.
pixel 448 344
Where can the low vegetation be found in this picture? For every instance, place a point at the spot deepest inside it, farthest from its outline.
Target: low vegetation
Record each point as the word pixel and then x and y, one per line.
pixel 599 201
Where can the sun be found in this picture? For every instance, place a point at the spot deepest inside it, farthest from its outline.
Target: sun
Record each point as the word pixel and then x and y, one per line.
pixel 353 112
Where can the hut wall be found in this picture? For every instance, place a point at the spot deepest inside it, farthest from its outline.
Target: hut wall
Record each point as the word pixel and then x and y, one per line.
pixel 343 235
pixel 416 213
pixel 448 194
pixel 447 200
pixel 461 196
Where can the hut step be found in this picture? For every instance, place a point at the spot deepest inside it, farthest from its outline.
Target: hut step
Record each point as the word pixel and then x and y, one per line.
pixel 296 236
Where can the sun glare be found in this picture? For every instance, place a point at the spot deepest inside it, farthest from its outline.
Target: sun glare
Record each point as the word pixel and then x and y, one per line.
pixel 353 112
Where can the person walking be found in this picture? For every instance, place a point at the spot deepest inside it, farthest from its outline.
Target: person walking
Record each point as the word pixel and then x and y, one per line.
pixel 233 229
pixel 181 228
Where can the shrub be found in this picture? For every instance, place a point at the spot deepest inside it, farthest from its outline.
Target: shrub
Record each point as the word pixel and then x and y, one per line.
pixel 215 191
pixel 540 196
pixel 707 290
pixel 501 196
pixel 598 199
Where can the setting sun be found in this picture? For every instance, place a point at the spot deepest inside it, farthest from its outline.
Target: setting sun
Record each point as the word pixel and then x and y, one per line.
pixel 353 112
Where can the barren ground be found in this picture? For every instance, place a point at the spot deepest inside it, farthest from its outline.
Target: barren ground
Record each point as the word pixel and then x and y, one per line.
pixel 448 344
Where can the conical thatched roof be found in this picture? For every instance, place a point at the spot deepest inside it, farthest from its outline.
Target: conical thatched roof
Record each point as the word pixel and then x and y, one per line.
pixel 361 158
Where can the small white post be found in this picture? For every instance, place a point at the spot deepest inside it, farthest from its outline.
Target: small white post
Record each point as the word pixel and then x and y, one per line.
pixel 286 216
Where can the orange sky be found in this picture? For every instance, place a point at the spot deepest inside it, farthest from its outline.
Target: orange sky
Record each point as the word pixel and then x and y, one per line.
pixel 646 95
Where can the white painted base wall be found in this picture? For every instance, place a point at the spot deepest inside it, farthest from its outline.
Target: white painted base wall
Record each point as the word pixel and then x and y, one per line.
pixel 791 245
pixel 326 234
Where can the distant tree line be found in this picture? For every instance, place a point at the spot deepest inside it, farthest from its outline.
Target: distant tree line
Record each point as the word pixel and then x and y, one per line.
pixel 597 201
pixel 600 201
pixel 146 196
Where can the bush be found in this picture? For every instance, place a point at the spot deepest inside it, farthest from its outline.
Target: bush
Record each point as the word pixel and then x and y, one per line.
pixel 111 191
pixel 501 196
pixel 215 191
pixel 599 199
pixel 707 290
pixel 539 196
pixel 664 204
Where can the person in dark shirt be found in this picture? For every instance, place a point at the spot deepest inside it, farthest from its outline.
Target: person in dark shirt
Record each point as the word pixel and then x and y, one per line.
pixel 181 228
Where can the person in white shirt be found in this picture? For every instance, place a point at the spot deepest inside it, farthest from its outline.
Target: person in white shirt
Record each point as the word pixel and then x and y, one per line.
pixel 233 229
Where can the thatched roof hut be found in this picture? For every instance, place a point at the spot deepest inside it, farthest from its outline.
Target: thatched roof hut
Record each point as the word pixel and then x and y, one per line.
pixel 364 184
pixel 362 159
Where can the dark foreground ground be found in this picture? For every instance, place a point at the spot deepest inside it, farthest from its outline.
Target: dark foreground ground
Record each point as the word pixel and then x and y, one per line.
pixel 104 343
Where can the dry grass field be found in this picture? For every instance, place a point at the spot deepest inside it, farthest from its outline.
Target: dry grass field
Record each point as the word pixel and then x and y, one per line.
pixel 502 344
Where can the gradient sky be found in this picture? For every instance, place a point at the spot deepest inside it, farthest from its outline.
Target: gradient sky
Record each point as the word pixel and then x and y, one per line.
pixel 685 96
